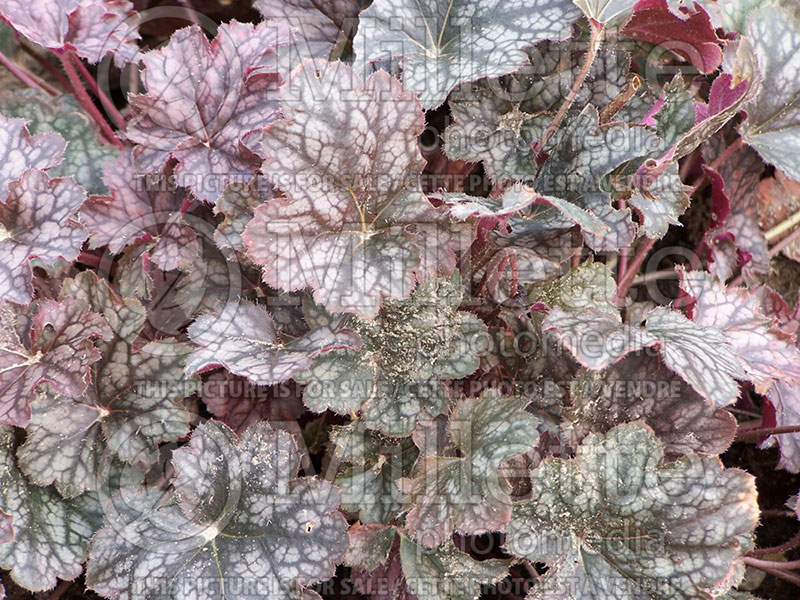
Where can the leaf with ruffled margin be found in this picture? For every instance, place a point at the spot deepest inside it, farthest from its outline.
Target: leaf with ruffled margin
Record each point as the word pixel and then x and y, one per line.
pixel 133 406
pixel 37 221
pixel 20 151
pixel 642 387
pixel 447 42
pixel 408 349
pixel 374 464
pixel 581 155
pixel 85 156
pixel 701 355
pixel 53 345
pixel 202 98
pixel 618 522
pixel 370 544
pixel 242 338
pixel 385 581
pixel 239 520
pixel 661 202
pixel 467 492
pixel 446 573
pixel 322 29
pixel 50 534
pixel 763 353
pixel 93 28
pixel 140 208
pixel 496 120
pixel 355 226
pixel 772 118
pixel 690 35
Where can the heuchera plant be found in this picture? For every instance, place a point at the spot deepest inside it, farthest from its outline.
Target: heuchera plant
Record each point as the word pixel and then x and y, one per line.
pixel 402 300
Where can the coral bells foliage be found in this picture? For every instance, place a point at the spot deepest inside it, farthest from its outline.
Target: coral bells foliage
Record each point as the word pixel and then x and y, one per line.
pixel 450 294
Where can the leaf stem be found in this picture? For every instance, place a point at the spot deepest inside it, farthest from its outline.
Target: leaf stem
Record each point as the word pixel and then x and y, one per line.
pixel 23 74
pixel 108 105
pixel 759 563
pixel 52 69
pixel 789 544
pixel 784 242
pixel 782 227
pixel 591 53
pixel 624 285
pixel 85 101
pixel 758 432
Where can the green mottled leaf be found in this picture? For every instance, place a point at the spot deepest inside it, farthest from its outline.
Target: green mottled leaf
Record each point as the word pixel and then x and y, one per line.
pixel 446 573
pixel 50 534
pixel 374 464
pixel 772 118
pixel 496 120
pixel 467 492
pixel 369 546
pixel 447 42
pixel 618 522
pixel 85 156
pixel 134 405
pixel 408 349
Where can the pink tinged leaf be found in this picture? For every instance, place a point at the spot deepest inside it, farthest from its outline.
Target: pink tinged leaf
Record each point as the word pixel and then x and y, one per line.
pixel 20 151
pixel 37 222
pixel 764 355
pixel 693 37
pixel 596 339
pixel 785 398
pixel 56 349
pixel 242 338
pixel 700 355
pixel 92 27
pixel 44 22
pixel 322 28
pixel 109 26
pixel 346 155
pixel 140 208
pixel 202 98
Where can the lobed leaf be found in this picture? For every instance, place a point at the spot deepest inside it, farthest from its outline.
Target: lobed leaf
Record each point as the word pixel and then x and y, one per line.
pixel 202 98
pixel 445 573
pixel 84 156
pixel 20 151
pixel 51 534
pixel 140 208
pixel 618 522
pixel 242 338
pixel 468 493
pixel 355 226
pixel 238 520
pixel 37 221
pixel 444 43
pixel 772 117
pixel 52 345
